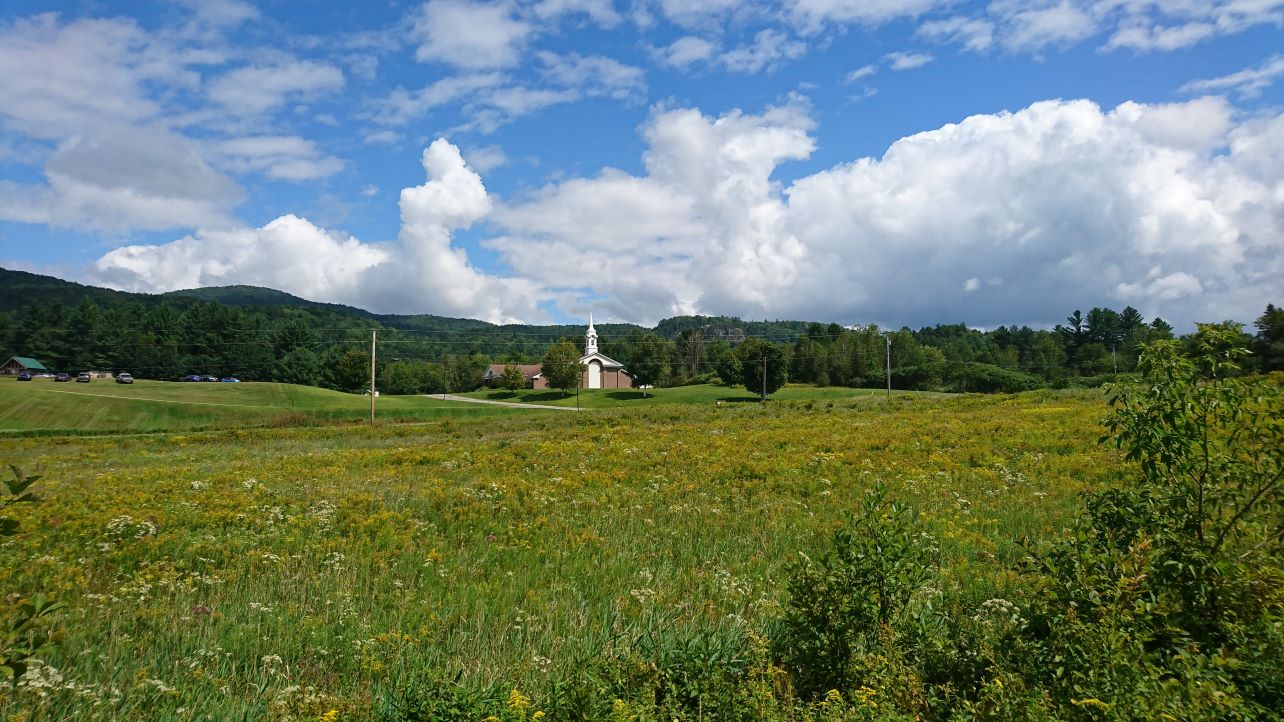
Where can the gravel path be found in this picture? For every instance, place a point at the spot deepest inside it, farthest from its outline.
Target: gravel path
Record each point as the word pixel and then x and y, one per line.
pixel 512 404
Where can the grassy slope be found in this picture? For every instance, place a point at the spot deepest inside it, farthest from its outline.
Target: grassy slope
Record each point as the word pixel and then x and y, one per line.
pixel 351 560
pixel 699 394
pixel 104 406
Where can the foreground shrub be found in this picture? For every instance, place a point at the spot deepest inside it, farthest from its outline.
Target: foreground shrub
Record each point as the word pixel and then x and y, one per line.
pixel 844 606
pixel 1163 602
pixel 23 637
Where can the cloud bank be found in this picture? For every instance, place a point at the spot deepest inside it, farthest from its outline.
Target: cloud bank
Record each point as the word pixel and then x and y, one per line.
pixel 1008 217
pixel 422 272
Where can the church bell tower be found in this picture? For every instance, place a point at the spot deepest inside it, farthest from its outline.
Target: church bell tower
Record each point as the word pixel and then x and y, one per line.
pixel 590 338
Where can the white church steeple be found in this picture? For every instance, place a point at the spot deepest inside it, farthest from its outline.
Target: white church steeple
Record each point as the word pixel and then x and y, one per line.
pixel 590 338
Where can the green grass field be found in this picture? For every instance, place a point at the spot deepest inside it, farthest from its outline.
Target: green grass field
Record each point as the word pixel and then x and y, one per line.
pixel 42 406
pixel 316 573
pixel 101 406
pixel 699 394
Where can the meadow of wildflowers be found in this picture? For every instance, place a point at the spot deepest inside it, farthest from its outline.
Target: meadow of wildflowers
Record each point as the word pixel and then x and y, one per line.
pixel 511 567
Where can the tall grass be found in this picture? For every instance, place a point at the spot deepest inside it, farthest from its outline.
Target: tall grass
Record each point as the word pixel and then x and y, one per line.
pixel 304 572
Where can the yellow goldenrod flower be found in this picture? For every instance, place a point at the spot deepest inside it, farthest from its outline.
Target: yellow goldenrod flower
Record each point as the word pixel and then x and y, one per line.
pixel 518 701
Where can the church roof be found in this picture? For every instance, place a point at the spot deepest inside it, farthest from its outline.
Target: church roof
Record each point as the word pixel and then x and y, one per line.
pixel 606 361
pixel 530 371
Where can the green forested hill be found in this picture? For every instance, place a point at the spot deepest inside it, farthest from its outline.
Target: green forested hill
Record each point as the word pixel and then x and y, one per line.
pixel 251 296
pixel 268 335
pixel 20 288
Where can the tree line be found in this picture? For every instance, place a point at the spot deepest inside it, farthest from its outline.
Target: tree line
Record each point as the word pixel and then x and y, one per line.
pixel 329 347
pixel 1086 351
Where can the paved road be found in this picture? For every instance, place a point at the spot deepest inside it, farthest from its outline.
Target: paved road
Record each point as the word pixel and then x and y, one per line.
pixel 512 404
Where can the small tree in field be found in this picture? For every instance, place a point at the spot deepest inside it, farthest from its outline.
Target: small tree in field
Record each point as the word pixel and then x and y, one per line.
pixel 561 366
pixel 649 361
pixel 512 379
pixel 21 636
pixel 762 361
pixel 352 372
pixel 1210 448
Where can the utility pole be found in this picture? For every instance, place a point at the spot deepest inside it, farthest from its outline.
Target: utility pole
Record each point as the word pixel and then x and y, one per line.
pixel 889 365
pixel 373 335
pixel 764 377
pixel 1114 362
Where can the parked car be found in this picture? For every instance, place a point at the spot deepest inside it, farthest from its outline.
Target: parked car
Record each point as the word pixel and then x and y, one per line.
pixel 230 380
pixel 124 379
pixel 24 375
pixel 193 377
pixel 83 377
pixel 62 377
pixel 209 378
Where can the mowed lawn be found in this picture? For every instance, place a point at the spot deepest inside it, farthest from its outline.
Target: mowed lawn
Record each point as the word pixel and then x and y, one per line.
pixel 698 394
pixel 310 573
pixel 102 406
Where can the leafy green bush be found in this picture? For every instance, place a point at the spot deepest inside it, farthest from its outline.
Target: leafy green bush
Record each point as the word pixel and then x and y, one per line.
pixel 923 377
pixel 843 605
pixel 1167 600
pixel 22 637
pixel 989 379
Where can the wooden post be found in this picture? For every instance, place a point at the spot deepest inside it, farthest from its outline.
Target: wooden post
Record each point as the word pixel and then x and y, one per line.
pixel 889 366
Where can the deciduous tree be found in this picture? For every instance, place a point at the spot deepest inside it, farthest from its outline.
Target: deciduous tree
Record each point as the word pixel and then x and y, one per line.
pixel 561 366
pixel 762 361
pixel 512 379
pixel 650 360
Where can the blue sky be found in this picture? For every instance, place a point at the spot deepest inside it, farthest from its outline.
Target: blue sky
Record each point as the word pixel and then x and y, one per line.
pixel 889 161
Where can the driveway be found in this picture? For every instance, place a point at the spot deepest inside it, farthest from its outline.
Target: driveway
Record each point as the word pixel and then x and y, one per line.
pixel 511 404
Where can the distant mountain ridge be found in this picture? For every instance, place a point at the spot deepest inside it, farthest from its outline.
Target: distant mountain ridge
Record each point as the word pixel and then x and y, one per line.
pixel 20 288
pixel 253 296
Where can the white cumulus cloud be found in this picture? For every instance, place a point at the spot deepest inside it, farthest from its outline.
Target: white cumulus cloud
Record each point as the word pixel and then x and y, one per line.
pixel 61 78
pixel 473 35
pixel 1057 206
pixel 122 179
pixel 999 218
pixel 289 254
pixel 422 272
